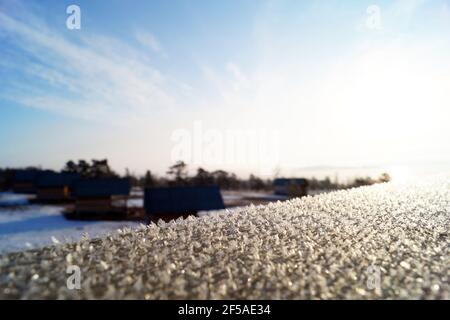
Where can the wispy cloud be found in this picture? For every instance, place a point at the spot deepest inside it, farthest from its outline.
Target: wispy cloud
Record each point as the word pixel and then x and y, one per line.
pixel 88 76
pixel 149 41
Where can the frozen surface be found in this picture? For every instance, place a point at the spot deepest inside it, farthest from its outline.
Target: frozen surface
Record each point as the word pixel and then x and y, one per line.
pixel 27 227
pixel 385 241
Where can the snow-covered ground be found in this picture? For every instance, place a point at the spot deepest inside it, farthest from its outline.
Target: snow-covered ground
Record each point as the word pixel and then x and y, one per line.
pixel 33 226
pixel 13 199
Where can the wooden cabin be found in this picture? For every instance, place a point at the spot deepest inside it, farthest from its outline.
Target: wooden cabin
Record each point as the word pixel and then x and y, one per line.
pixel 24 180
pixel 292 187
pixel 174 202
pixel 101 198
pixel 55 187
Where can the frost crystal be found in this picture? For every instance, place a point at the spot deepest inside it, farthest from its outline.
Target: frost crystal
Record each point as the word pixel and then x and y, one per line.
pixel 384 241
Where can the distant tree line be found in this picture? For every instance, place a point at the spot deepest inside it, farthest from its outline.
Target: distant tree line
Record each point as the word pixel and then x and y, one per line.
pixel 94 169
pixel 177 175
pixel 327 184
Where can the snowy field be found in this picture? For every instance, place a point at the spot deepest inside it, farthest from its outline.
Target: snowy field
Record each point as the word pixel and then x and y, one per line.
pixel 380 242
pixel 24 226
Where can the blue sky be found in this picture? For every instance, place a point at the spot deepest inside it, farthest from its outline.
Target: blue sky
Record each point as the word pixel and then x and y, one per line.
pixel 325 87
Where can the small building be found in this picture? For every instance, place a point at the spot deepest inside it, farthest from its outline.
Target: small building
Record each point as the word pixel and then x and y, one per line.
pixel 292 187
pixel 55 187
pixel 8 178
pixel 174 202
pixel 101 198
pixel 24 180
pixel 2 180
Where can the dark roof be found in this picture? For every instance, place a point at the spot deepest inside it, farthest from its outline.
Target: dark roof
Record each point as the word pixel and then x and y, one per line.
pixel 290 181
pixel 26 175
pixel 181 200
pixel 53 179
pixel 101 187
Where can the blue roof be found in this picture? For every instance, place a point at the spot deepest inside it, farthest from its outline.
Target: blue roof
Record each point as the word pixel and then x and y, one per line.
pixel 25 175
pixel 290 181
pixel 182 200
pixel 53 179
pixel 101 187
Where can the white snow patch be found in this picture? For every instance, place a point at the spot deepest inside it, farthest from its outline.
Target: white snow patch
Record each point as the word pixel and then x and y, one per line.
pixel 13 199
pixel 31 227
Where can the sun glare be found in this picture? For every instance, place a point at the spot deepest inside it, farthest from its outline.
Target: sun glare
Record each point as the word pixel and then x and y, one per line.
pixel 400 174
